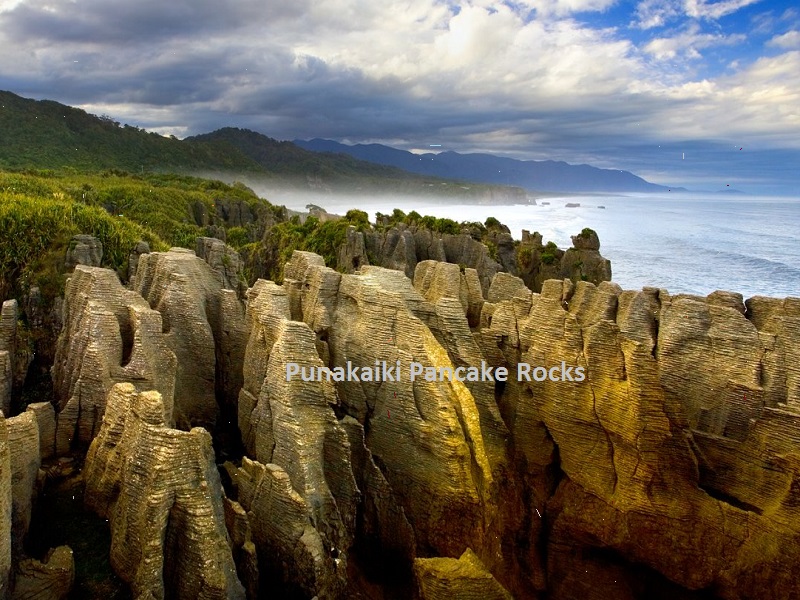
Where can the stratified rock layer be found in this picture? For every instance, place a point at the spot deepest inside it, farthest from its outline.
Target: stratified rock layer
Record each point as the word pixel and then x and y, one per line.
pixel 657 455
pixel 110 335
pixel 465 578
pixel 671 455
pixel 49 579
pixel 203 324
pixel 161 492
pixel 5 511
pixel 301 495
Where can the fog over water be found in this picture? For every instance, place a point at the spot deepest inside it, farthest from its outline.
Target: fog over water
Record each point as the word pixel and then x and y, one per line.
pixel 682 242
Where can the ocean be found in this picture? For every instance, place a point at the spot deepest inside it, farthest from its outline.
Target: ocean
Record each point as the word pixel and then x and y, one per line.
pixel 682 242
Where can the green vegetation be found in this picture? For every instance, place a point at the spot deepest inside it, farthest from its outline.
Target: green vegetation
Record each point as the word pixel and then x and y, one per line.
pixel 549 255
pixel 493 223
pixel 587 232
pixel 524 255
pixel 324 238
pixel 48 135
pixel 40 211
pixel 36 231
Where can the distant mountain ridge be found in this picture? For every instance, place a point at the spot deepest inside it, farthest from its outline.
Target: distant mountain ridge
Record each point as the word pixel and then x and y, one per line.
pixel 44 134
pixel 47 134
pixel 548 175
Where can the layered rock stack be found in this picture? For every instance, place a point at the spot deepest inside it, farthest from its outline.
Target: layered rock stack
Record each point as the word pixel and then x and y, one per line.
pixel 161 492
pixel 203 322
pixel 656 455
pixel 110 335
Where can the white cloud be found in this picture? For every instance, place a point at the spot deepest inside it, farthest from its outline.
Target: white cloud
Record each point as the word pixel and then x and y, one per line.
pixel 563 8
pixel 688 44
pixel 9 4
pixel 486 76
pixel 757 103
pixel 788 40
pixel 703 9
pixel 656 13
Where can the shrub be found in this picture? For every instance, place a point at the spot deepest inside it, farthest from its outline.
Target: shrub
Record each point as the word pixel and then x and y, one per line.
pixel 237 237
pixel 413 218
pixel 444 225
pixel 524 255
pixel 492 223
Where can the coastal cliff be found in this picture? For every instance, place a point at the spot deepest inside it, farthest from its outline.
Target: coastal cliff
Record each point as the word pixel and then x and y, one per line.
pixel 639 445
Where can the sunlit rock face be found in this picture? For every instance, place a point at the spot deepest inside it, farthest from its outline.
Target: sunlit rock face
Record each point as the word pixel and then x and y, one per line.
pixel 672 455
pixel 465 577
pixel 657 456
pixel 203 326
pixel 161 492
pixel 110 335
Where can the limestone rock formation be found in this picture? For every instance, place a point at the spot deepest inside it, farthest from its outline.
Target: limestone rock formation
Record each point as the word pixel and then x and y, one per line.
pixel 161 492
pixel 203 324
pixel 110 335
pixel 353 253
pixel 49 579
pixel 23 444
pixel 84 250
pixel 6 379
pixel 401 248
pixel 583 261
pixel 384 529
pixel 439 445
pixel 538 263
pixel 141 247
pixel 303 454
pixel 45 417
pixel 465 578
pixel 505 286
pixel 8 350
pixel 436 280
pixel 671 456
pixel 224 260
pixel 461 249
pixel 393 249
pixel 15 354
pixel 5 511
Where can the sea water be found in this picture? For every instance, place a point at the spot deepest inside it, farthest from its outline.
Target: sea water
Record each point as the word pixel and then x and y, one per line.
pixel 682 242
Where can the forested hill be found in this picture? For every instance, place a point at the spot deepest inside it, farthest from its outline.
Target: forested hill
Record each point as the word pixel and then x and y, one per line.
pixel 49 135
pixel 43 134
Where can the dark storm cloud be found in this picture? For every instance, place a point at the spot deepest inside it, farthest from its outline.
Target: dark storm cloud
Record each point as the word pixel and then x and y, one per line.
pixel 103 21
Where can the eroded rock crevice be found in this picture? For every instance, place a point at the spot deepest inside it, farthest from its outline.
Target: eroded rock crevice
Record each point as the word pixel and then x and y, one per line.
pixel 668 469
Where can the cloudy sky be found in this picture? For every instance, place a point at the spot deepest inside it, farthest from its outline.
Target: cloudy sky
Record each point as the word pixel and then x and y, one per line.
pixel 700 93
